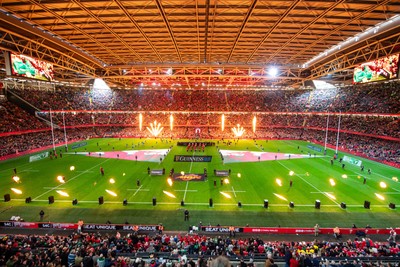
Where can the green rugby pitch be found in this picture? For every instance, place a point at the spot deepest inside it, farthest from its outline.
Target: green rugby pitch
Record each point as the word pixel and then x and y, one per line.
pixel 250 183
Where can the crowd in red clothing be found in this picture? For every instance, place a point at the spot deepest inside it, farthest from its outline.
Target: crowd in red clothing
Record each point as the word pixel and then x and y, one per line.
pixel 369 98
pixel 93 249
pixel 116 112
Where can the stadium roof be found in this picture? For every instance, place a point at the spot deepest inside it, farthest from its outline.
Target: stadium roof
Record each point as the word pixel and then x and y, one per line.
pixel 188 43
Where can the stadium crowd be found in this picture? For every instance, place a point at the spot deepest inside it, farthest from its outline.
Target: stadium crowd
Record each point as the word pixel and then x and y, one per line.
pixel 368 98
pixel 113 112
pixel 14 119
pixel 189 250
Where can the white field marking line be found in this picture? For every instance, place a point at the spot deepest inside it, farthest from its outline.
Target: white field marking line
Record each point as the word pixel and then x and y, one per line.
pixel 387 179
pixel 5 170
pixel 86 171
pixel 309 184
pixel 69 180
pixel 357 173
pixel 186 189
pixel 137 190
pixel 196 204
pixel 29 170
pixel 363 175
pixel 187 183
pixel 191 163
pixel 373 173
pixel 235 191
pixel 380 176
pixel 52 188
pixel 302 174
pixel 12 169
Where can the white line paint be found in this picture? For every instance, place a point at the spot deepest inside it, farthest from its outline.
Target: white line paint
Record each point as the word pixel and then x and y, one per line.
pixel 310 184
pixel 53 188
pixel 71 179
pixel 186 189
pixel 203 204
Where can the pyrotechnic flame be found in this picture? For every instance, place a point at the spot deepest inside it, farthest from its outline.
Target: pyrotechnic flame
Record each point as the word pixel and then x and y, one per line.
pixel 238 130
pixel 171 122
pixel 16 191
pixel 61 179
pixel 111 192
pixel 225 194
pixel 169 181
pixel 169 194
pixel 64 194
pixel 281 197
pixel 155 128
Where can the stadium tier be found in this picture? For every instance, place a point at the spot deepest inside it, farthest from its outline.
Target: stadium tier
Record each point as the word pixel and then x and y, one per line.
pixel 92 249
pixel 369 125
pixel 156 133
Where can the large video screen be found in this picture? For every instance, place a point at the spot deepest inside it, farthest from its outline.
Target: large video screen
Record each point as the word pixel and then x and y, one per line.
pixel 28 67
pixel 380 69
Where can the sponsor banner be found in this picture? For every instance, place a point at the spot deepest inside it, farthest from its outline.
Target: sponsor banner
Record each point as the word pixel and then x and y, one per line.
pixel 208 229
pixel 58 225
pixel 220 229
pixel 195 143
pixel 189 177
pixel 352 161
pixel 99 227
pixel 157 172
pixel 221 173
pixel 189 158
pixel 78 145
pixel 14 224
pixel 308 231
pixel 263 230
pixel 106 227
pixel 149 228
pixel 38 156
pixel 315 148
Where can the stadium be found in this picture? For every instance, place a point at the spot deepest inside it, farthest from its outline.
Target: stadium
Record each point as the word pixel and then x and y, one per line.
pixel 202 128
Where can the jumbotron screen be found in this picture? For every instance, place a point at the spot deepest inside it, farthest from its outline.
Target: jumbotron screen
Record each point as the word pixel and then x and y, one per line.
pixel 380 69
pixel 28 67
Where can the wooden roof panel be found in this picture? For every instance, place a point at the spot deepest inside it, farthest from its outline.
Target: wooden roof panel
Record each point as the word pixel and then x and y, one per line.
pixel 234 32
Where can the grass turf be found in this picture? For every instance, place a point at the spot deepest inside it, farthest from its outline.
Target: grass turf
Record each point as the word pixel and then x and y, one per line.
pixel 256 182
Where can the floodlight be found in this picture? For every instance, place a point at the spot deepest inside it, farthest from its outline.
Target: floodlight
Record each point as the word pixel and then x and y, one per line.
pixel 273 71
